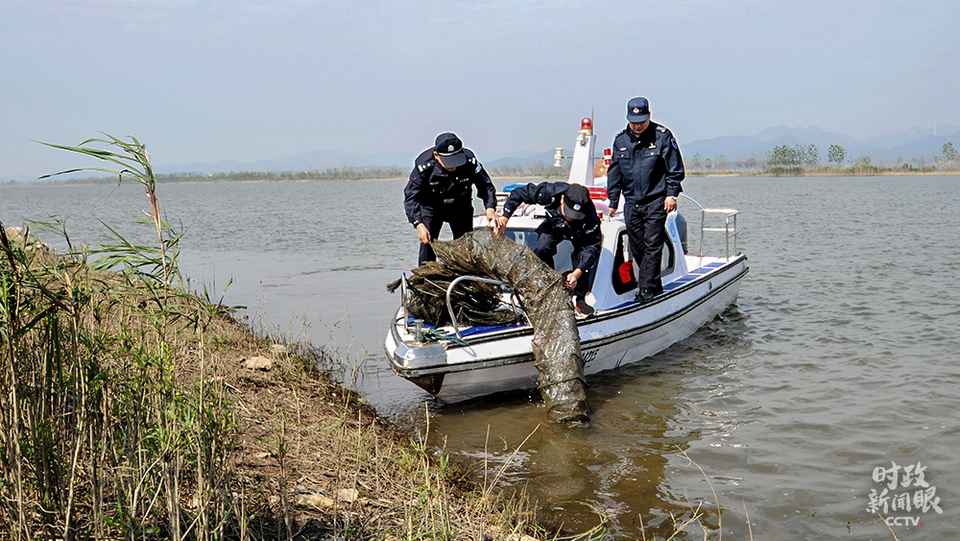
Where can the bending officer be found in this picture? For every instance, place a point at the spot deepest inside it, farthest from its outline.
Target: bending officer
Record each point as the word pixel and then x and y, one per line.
pixel 646 167
pixel 570 215
pixel 439 191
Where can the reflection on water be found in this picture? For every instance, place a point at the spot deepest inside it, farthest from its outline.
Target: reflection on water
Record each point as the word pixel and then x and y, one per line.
pixel 621 467
pixel 839 357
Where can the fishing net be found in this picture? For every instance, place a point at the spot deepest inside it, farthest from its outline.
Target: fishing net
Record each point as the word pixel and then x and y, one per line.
pixel 474 303
pixel 544 298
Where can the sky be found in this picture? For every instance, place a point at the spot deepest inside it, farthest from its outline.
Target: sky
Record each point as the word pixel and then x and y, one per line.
pixel 245 80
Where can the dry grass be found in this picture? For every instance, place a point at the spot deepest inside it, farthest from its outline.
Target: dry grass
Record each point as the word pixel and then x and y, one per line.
pixel 312 453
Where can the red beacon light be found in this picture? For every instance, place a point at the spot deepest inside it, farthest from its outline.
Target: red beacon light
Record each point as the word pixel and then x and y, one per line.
pixel 597 193
pixel 586 124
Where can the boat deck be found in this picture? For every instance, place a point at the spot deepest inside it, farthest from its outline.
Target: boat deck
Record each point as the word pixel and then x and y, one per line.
pixel 693 275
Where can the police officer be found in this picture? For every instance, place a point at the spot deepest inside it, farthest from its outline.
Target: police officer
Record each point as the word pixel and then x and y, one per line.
pixel 439 191
pixel 570 215
pixel 647 168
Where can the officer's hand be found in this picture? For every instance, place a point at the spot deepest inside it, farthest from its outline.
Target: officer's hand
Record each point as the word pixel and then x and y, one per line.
pixel 423 233
pixel 611 212
pixel 572 278
pixel 670 204
pixel 500 225
pixel 491 218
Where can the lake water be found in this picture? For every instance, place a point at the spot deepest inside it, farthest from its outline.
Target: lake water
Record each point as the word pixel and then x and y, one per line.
pixel 837 371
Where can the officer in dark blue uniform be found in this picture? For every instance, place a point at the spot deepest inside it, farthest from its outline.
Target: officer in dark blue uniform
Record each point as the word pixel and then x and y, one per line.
pixel 646 167
pixel 439 191
pixel 570 215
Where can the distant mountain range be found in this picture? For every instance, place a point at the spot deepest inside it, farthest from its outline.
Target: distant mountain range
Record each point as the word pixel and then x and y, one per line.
pixel 910 145
pixel 907 144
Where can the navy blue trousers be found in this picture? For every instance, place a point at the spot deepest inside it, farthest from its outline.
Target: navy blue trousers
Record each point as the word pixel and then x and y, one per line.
pixel 459 217
pixel 645 229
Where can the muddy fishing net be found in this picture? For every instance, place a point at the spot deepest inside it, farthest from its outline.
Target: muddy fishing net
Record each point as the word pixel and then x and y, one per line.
pixel 474 303
pixel 544 299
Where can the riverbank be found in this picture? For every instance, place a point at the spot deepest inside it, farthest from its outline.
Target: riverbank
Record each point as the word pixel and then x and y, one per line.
pixel 133 410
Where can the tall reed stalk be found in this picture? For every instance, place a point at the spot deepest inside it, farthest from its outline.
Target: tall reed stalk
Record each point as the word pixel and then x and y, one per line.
pixel 134 164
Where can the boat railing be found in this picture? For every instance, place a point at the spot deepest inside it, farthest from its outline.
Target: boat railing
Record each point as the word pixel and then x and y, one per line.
pixel 729 228
pixel 403 295
pixel 453 317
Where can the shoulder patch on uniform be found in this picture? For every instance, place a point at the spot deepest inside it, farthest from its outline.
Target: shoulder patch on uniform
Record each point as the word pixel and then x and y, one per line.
pixel 673 141
pixel 479 168
pixel 661 129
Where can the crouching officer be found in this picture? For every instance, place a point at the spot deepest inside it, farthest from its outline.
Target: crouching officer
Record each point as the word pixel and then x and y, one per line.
pixel 439 191
pixel 570 215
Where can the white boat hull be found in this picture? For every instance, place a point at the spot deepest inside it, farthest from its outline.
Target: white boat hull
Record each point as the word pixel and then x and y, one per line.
pixel 503 360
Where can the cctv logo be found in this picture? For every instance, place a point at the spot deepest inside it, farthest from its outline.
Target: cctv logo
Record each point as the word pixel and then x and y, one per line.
pixel 903 521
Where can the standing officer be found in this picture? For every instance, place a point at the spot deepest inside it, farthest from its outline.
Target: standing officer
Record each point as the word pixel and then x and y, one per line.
pixel 570 215
pixel 439 191
pixel 647 168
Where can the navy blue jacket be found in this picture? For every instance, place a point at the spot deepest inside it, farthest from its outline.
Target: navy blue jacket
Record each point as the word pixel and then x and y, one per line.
pixel 431 186
pixel 645 168
pixel 584 234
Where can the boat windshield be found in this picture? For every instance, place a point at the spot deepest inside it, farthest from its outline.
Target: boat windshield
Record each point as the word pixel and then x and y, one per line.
pixel 562 260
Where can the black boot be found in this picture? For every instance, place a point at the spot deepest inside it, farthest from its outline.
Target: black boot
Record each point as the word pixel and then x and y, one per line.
pixel 644 296
pixel 583 307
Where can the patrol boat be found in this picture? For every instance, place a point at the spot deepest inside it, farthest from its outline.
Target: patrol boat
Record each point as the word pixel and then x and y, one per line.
pixel 460 363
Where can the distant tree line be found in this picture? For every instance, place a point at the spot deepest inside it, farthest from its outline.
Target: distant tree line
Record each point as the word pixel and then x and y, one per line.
pixel 337 173
pixel 538 170
pixel 801 159
pixel 781 160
